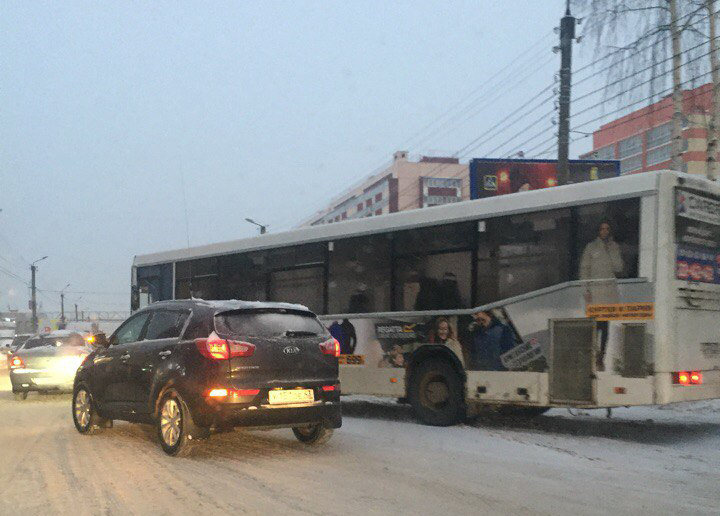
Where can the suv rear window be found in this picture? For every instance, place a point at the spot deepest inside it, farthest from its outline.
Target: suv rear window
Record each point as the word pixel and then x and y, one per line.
pixel 268 323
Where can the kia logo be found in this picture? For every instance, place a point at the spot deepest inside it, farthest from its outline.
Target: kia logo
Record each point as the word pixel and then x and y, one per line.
pixel 291 350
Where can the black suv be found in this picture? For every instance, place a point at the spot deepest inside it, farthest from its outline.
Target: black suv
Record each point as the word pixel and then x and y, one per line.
pixel 192 366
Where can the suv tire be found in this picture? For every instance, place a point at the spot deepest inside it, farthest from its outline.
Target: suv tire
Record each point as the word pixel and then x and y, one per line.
pixel 85 416
pixel 313 435
pixel 176 430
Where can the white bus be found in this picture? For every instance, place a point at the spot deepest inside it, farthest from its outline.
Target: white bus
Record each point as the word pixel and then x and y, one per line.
pixel 597 294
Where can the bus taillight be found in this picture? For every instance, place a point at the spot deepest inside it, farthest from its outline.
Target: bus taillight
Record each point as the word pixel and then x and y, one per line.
pixel 687 378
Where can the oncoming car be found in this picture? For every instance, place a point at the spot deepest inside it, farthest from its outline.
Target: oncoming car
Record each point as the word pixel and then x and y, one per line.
pixel 192 366
pixel 47 362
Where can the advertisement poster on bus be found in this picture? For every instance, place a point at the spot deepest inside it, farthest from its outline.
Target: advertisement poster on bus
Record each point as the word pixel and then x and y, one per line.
pixel 697 237
pixel 484 340
pixel 511 337
pixel 492 177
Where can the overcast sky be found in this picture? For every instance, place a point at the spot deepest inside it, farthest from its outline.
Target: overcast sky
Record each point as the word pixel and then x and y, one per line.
pixel 264 110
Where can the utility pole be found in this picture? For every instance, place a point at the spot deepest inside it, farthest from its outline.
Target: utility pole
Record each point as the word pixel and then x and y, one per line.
pixel 33 295
pixel 33 302
pixel 567 34
pixel 76 313
pixel 62 306
pixel 712 146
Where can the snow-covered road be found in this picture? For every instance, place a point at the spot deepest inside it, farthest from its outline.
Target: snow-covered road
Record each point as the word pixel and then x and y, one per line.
pixel 642 461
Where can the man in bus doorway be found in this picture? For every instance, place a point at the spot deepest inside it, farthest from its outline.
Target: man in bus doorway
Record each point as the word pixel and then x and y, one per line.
pixel 602 260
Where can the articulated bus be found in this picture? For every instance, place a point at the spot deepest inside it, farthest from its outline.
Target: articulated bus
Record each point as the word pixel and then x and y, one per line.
pixel 597 294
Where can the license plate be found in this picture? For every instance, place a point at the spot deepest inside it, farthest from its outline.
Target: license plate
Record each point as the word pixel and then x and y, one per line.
pixel 291 396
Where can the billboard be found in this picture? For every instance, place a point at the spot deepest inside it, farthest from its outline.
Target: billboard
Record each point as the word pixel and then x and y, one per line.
pixel 491 177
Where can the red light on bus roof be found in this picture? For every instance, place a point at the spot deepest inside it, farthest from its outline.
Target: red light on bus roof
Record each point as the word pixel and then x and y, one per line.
pixel 696 378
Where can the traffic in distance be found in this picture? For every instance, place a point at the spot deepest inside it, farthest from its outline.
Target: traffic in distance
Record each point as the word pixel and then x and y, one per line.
pixel 595 294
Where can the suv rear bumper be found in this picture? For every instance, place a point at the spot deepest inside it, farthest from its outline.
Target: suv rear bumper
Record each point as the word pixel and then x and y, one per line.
pixel 328 413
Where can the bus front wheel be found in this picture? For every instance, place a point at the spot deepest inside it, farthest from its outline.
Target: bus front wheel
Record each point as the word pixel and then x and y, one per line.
pixel 436 393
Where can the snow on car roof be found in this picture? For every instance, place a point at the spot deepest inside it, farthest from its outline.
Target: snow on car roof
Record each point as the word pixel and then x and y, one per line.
pixel 237 304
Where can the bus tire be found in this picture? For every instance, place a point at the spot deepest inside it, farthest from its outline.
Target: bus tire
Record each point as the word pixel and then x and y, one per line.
pixel 436 393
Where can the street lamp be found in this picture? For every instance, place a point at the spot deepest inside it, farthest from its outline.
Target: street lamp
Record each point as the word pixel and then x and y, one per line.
pixel 263 229
pixel 62 306
pixel 33 301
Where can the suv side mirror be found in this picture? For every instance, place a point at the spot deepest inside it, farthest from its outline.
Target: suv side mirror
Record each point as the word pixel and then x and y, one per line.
pixel 101 340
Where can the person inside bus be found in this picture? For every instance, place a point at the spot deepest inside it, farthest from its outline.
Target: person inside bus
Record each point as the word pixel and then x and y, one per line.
pixel 602 259
pixel 344 332
pixel 449 297
pixel 490 339
pixel 442 333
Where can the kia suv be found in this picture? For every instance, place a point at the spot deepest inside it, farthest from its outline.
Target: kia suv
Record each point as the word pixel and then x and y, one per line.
pixel 193 366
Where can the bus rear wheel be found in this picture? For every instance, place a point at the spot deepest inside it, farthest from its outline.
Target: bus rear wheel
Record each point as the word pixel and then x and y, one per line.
pixel 436 393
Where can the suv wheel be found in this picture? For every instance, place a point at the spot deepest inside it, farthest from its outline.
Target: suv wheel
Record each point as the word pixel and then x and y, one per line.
pixel 313 434
pixel 21 395
pixel 436 393
pixel 85 417
pixel 176 430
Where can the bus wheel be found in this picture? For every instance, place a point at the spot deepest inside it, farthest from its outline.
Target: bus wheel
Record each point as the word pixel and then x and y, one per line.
pixel 436 393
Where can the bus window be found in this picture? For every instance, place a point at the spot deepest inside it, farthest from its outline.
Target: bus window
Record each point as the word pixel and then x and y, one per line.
pixel 242 276
pixel 196 278
pixel 607 240
pixel 156 280
pixel 296 256
pixel 360 275
pixel 533 251
pixel 304 286
pixel 183 276
pixel 433 267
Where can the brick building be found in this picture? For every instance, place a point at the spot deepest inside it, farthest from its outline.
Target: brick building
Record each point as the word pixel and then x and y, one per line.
pixel 641 140
pixel 403 185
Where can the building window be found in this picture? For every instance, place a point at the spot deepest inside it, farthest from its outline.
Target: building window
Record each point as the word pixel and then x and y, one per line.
pixel 631 164
pixel 660 135
pixel 378 212
pixel 368 202
pixel 659 154
pixel 360 207
pixel 630 146
pixel 604 153
pixel 378 197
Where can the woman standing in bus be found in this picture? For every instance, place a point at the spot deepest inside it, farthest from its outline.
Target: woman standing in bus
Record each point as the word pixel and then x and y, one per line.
pixel 443 334
pixel 602 260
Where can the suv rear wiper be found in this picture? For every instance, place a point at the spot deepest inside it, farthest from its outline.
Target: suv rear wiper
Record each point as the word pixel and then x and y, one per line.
pixel 299 333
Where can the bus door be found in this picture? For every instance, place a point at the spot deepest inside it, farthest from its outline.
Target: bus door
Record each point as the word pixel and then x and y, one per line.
pixel 572 361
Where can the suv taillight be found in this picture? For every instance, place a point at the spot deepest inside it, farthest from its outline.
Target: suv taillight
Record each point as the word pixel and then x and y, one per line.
pixel 331 347
pixel 216 348
pixel 16 362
